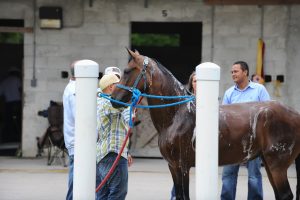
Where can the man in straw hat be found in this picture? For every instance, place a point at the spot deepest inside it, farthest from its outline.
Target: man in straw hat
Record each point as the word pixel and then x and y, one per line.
pixel 112 126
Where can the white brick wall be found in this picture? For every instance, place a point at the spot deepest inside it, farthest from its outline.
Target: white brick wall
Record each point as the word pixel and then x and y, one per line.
pixel 102 31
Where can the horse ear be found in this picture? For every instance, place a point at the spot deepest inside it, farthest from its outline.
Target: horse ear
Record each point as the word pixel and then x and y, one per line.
pixel 132 54
pixel 137 52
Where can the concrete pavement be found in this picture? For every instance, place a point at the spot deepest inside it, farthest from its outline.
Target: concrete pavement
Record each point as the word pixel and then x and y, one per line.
pixel 149 179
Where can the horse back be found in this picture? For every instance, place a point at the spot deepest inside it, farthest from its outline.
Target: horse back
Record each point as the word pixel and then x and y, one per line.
pixel 246 130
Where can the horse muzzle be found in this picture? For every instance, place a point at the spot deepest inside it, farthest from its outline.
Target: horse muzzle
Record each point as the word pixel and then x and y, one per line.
pixel 116 105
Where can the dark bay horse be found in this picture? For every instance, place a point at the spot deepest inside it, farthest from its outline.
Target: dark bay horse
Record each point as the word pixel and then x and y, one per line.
pixel 246 131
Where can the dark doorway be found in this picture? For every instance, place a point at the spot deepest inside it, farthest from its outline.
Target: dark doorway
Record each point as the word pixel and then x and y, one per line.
pixel 176 45
pixel 11 80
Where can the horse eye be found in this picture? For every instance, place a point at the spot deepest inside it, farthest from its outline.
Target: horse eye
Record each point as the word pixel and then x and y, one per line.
pixel 127 71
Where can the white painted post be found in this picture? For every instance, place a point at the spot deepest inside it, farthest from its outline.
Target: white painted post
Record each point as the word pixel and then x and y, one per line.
pixel 207 126
pixel 84 182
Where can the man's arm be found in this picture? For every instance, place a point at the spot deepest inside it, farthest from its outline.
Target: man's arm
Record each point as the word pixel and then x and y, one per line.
pixel 126 115
pixel 226 99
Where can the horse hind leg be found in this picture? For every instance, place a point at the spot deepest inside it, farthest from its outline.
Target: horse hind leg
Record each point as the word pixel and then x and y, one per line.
pixel 279 181
pixel 284 191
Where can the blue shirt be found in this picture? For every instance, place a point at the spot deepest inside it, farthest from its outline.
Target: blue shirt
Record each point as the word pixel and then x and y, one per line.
pixel 253 92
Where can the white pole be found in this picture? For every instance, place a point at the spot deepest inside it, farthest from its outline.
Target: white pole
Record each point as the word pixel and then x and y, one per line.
pixel 207 125
pixel 84 182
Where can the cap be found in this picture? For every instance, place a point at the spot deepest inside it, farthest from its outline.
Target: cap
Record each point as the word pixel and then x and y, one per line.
pixel 107 80
pixel 113 70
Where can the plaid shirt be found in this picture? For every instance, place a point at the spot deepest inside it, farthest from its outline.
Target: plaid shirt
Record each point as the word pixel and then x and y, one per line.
pixel 112 127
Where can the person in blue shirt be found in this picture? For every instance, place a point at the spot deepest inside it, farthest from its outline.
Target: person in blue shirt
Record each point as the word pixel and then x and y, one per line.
pixel 244 90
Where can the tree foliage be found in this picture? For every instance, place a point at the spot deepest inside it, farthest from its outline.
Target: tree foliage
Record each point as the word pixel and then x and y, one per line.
pixel 155 40
pixel 11 38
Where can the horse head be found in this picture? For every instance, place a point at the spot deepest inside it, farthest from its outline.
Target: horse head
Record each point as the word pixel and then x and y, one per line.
pixel 135 76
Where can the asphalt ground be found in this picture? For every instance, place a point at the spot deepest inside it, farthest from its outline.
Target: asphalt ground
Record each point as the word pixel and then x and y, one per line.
pixel 149 179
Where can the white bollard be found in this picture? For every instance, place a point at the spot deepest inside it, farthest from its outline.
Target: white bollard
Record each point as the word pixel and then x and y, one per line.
pixel 84 182
pixel 207 126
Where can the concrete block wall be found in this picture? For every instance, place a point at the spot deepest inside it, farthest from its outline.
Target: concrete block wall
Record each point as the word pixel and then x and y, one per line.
pixel 293 58
pixel 237 30
pixel 102 31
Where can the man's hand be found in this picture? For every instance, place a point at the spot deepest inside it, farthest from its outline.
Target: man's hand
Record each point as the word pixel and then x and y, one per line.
pixel 130 160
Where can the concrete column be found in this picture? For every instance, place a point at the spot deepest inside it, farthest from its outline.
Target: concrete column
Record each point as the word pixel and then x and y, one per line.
pixel 207 124
pixel 86 73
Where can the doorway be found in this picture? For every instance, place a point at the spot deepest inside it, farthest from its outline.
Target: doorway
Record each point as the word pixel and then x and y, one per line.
pixel 177 46
pixel 11 92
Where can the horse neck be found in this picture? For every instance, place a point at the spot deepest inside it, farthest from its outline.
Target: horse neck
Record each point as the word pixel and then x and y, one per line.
pixel 164 84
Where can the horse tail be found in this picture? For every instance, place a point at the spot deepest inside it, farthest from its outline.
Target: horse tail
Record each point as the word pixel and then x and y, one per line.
pixel 297 161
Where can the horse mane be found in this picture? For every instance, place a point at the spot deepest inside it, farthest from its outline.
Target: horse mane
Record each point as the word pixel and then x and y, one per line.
pixel 167 72
pixel 161 67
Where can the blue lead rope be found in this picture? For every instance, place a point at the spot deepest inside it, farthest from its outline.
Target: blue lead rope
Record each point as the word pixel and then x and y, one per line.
pixel 188 98
pixel 131 89
pixel 136 94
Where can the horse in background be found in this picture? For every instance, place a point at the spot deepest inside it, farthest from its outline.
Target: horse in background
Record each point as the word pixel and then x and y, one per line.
pixel 246 131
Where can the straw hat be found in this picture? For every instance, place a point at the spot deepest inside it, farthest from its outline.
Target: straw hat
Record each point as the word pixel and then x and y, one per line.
pixel 107 80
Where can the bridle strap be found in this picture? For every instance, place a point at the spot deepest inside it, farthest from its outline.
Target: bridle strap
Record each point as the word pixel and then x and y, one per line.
pixel 142 74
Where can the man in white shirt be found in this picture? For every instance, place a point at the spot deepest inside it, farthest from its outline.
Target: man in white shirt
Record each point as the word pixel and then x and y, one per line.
pixel 69 126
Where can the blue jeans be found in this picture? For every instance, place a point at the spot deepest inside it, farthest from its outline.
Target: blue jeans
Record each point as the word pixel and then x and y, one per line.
pixel 173 194
pixel 229 179
pixel 71 168
pixel 116 186
pixel 297 161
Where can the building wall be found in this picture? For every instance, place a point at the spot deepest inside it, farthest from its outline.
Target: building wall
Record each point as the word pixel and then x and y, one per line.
pixel 293 58
pixel 101 32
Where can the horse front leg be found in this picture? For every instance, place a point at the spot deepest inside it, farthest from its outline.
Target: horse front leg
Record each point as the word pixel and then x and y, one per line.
pixel 181 182
pixel 175 180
